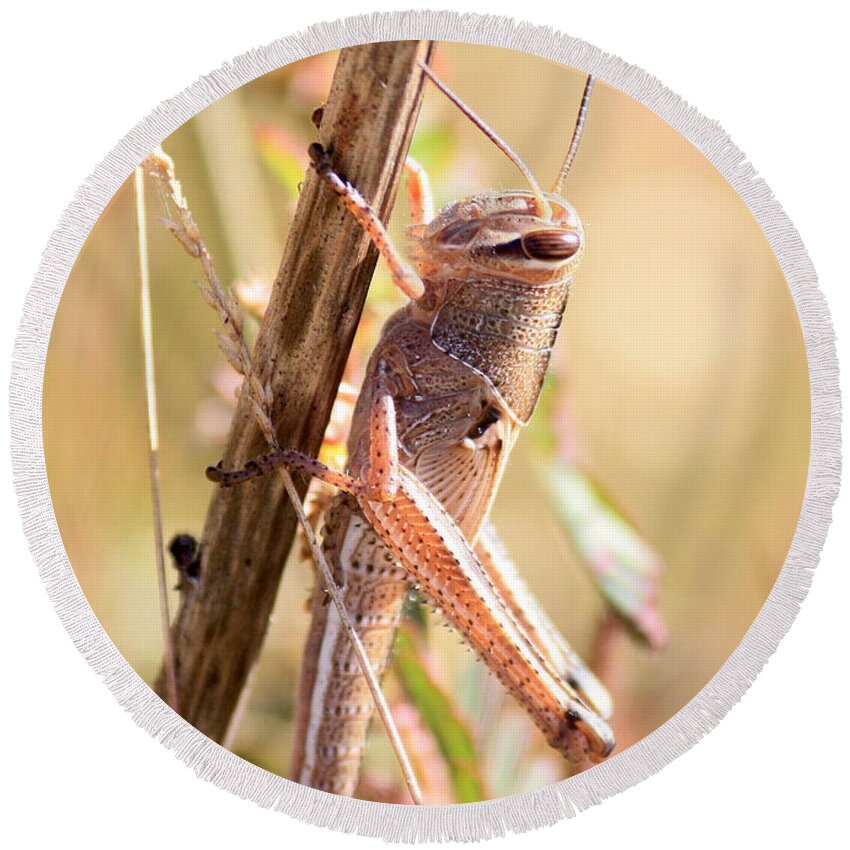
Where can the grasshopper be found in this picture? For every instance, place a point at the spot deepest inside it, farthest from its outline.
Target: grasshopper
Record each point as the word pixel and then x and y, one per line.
pixel 454 377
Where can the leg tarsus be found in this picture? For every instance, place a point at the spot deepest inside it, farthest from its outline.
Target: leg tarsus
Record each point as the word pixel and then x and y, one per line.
pixel 252 469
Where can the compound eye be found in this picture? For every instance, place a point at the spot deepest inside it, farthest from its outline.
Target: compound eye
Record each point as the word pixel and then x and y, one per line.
pixel 459 233
pixel 551 244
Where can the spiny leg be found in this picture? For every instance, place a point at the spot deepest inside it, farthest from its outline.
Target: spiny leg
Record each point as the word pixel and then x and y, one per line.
pixel 404 277
pixel 440 560
pixel 291 460
pixel 382 473
pixel 413 525
pixel 437 556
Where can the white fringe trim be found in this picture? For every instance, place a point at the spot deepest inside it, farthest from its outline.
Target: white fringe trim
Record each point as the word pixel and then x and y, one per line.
pixel 428 823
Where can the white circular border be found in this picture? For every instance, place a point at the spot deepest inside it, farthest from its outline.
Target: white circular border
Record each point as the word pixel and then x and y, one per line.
pixel 452 822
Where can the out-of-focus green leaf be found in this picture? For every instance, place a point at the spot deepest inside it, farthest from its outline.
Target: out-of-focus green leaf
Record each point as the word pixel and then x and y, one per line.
pixel 625 569
pixel 284 155
pixel 433 147
pixel 437 712
pixel 414 610
pixel 540 432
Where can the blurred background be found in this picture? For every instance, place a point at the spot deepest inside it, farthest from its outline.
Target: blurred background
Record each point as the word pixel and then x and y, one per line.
pixel 651 502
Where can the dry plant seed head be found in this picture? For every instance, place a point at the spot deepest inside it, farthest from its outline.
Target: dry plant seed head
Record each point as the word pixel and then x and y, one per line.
pixel 231 339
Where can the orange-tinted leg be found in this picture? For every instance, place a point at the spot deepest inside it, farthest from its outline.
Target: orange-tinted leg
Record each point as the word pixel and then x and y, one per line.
pixel 382 474
pixel 404 277
pixel 419 192
pixel 293 461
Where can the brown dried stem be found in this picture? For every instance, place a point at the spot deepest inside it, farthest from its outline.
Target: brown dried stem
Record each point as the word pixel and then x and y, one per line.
pixel 298 361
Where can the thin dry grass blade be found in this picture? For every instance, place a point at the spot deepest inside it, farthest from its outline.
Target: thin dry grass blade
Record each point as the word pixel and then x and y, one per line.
pixel 153 433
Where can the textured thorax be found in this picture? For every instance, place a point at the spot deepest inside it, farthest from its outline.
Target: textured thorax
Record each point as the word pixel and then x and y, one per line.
pixel 497 269
pixel 505 331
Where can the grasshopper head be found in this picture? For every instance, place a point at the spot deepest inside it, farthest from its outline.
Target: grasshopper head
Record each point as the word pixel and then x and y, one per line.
pixel 502 235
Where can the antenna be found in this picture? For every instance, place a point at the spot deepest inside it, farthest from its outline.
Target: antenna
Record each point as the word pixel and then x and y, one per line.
pixel 576 140
pixel 497 140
